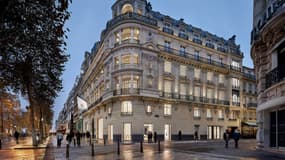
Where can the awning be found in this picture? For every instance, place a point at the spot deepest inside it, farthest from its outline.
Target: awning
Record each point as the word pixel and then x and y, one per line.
pixel 252 124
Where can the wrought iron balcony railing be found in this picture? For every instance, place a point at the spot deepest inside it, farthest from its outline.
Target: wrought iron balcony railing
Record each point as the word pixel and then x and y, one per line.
pixel 275 76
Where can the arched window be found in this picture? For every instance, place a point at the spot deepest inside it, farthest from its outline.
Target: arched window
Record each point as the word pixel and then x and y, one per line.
pixel 127 8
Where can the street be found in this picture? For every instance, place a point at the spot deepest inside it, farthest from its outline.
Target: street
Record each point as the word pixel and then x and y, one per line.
pixel 200 150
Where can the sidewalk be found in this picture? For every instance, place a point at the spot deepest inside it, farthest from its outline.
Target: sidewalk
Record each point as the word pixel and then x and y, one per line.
pixel 24 143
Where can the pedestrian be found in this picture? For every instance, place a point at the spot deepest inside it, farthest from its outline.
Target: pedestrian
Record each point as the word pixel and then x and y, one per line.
pixel 78 136
pixel 16 135
pixel 59 139
pixel 68 138
pixel 155 137
pixel 179 135
pixel 236 136
pixel 226 138
pixel 88 136
pixel 196 136
pixel 150 136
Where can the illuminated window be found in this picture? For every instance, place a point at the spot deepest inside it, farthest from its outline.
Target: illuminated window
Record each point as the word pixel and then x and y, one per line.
pixel 117 37
pixel 209 76
pixel 167 109
pixel 136 33
pixel 148 109
pixel 135 59
pixel 127 8
pixel 126 107
pixel 126 34
pixel 235 82
pixel 139 11
pixel 197 112
pixel 126 59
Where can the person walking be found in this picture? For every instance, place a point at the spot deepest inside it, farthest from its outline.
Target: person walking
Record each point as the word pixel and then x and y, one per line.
pixel 226 138
pixel 59 139
pixel 236 137
pixel 155 137
pixel 78 136
pixel 88 136
pixel 16 135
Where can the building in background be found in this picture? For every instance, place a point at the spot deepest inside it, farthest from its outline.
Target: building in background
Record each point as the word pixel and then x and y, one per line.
pixel 152 73
pixel 268 54
pixel 9 114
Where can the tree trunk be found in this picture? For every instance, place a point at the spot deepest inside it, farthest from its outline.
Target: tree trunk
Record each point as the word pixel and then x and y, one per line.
pixel 29 93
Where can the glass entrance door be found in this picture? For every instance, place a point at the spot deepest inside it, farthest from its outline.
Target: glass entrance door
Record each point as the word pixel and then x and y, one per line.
pixel 167 131
pixel 100 128
pixel 127 132
pixel 148 128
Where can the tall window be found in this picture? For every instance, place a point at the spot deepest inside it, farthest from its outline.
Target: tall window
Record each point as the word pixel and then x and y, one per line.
pixel 167 66
pixel 209 58
pixel 209 113
pixel 135 59
pixel 235 82
pixel 220 114
pixel 126 34
pixel 221 95
pixel 209 76
pixel 167 86
pixel 117 37
pixel 210 93
pixel 197 73
pixel 167 109
pixel 126 59
pixel 182 70
pixel 235 98
pixel 197 112
pixel 126 107
pixel 183 89
pixel 148 109
pixel 136 33
pixel 197 91
pixel 221 78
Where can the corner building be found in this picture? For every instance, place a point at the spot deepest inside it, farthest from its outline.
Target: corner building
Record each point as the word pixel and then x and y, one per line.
pixel 268 54
pixel 151 73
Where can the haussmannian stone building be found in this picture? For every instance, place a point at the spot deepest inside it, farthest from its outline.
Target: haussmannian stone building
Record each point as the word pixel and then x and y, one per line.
pixel 152 73
pixel 268 54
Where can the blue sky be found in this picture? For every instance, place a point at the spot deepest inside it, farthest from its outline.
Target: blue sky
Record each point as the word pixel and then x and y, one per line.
pixel 221 17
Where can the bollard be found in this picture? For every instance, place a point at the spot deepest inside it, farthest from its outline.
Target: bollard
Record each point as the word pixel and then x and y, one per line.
pixel 0 143
pixel 141 147
pixel 67 151
pixel 104 141
pixel 159 146
pixel 118 147
pixel 92 149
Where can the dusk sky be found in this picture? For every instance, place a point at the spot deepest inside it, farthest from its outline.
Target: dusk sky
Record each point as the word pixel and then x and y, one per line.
pixel 221 17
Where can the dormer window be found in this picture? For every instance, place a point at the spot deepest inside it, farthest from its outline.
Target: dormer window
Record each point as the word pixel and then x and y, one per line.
pixel 127 8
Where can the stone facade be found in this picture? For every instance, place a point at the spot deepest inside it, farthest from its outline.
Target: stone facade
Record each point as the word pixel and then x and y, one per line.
pixel 268 54
pixel 153 74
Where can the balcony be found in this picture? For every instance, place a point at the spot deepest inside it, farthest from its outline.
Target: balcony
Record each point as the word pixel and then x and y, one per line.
pixel 126 66
pixel 252 105
pixel 126 91
pixel 192 57
pixel 275 76
pixel 236 103
pixel 130 16
pixel 223 102
pixel 183 36
pixel 235 68
pixel 221 49
pixel 167 30
pixel 126 113
pixel 235 87
pixel 198 41
pixel 210 45
pixel 250 76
